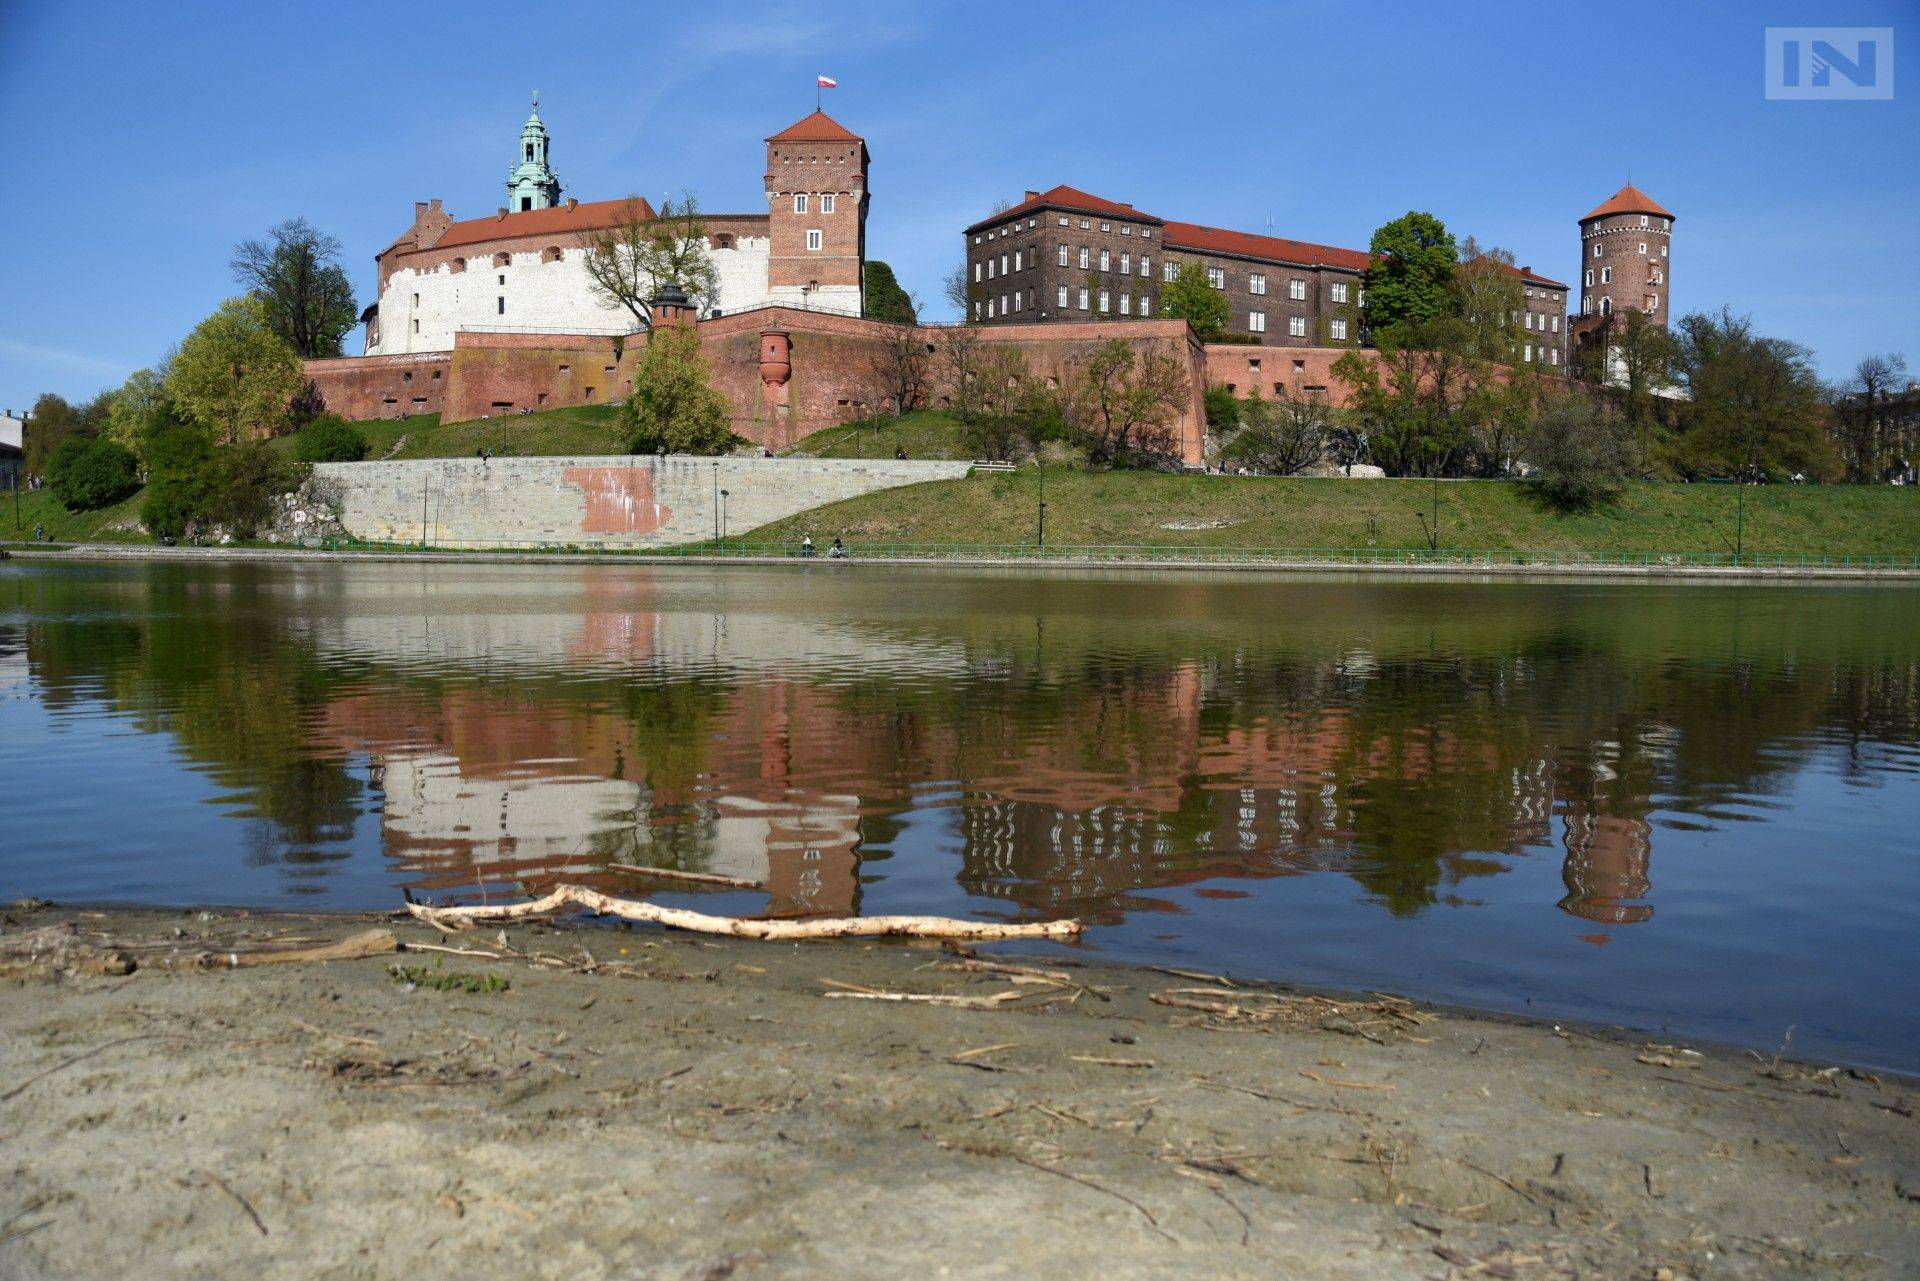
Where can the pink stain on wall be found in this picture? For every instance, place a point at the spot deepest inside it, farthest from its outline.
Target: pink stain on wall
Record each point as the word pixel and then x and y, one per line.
pixel 619 500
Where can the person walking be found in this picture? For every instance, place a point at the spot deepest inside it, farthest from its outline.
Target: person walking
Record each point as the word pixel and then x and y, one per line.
pixel 806 545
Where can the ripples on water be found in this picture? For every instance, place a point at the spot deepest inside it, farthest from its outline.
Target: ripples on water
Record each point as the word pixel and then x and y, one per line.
pixel 1676 807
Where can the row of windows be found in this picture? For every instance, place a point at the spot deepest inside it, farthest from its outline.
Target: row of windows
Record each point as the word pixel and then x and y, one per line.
pixel 1652 304
pixel 1536 320
pixel 1257 284
pixel 1086 224
pixel 1066 299
pixel 1548 355
pixel 826 202
pixel 1296 326
pixel 1599 248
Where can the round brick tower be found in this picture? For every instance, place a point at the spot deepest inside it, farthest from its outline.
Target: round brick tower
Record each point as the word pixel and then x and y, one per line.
pixel 1624 260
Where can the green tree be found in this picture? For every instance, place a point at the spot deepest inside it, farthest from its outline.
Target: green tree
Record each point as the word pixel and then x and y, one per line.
pixel 52 421
pixel 1755 407
pixel 1411 273
pixel 885 299
pixel 233 374
pixel 1123 403
pixel 1577 456
pixel 643 252
pixel 674 406
pixel 246 479
pixel 88 474
pixel 134 408
pixel 180 462
pixel 1222 407
pixel 1486 293
pixel 329 439
pixel 1413 396
pixel 1189 297
pixel 296 274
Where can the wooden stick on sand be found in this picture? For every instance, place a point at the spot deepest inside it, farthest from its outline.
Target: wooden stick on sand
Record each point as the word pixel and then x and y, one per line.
pixel 738 927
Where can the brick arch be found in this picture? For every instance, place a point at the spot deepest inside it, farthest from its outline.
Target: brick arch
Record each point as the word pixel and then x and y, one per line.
pixel 502 259
pixel 550 254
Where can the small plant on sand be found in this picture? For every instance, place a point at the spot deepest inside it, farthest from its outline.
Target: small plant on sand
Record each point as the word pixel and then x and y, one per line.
pixel 439 980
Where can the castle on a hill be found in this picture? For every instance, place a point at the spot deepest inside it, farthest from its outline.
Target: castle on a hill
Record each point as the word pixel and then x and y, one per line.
pixel 523 269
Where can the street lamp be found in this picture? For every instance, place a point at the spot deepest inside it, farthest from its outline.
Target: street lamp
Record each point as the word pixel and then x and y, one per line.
pixel 1040 532
pixel 716 502
pixel 723 519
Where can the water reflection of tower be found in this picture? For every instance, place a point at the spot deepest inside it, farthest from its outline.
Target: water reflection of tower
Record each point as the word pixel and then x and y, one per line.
pixel 1608 840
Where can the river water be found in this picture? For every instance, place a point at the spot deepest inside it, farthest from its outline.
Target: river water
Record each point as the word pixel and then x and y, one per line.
pixel 1690 809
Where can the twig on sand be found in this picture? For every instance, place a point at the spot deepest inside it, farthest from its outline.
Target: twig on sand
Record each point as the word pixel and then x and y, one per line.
pixel 1106 1062
pixel 994 1002
pixel 1085 1182
pixel 698 878
pixel 82 1058
pixel 201 1178
pixel 1502 1179
pixel 15 1234
pixel 738 927
pixel 452 951
pixel 1312 1075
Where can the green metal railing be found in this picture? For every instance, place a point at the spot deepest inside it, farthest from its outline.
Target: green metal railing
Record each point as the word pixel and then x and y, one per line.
pixel 1123 554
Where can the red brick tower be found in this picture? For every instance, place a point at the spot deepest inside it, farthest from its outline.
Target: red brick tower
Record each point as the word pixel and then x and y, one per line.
pixel 1623 258
pixel 817 206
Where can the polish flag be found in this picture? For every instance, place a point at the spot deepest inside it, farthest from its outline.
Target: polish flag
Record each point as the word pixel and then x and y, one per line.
pixel 828 82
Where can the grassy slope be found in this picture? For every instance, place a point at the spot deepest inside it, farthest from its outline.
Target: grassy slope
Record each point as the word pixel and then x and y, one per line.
pixel 579 429
pixel 924 433
pixel 119 523
pixel 1135 507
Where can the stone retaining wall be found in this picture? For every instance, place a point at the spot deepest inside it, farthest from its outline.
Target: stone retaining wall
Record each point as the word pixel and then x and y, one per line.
pixel 597 501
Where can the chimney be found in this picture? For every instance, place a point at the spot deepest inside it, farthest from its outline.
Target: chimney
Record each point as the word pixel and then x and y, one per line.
pixel 1032 194
pixel 419 210
pixel 501 215
pixel 572 203
pixel 435 203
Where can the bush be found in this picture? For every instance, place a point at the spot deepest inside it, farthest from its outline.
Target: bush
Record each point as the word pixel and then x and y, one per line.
pixel 674 406
pixel 1223 410
pixel 239 495
pixel 88 474
pixel 329 439
pixel 1578 457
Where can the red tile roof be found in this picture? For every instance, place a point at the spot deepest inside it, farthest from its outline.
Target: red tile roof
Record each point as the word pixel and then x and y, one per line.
pixel 1531 276
pixel 818 127
pixel 1629 199
pixel 1187 235
pixel 558 220
pixel 1065 197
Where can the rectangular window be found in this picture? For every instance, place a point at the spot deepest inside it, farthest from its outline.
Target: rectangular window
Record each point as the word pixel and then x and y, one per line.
pixel 1257 322
pixel 1556 356
pixel 501 309
pixel 1529 353
pixel 1589 278
pixel 1340 330
pixel 1016 260
pixel 976 273
pixel 1217 277
pixel 1104 302
pixel 1146 268
pixel 1170 270
pixel 1083 299
pixel 1126 304
pixel 976 310
pixel 1126 264
pixel 1596 249
pixel 1063 220
pixel 813 238
pixel 1003 304
pixel 1340 292
pixel 1529 320
pixel 800 204
pixel 1297 326
pixel 1083 257
pixel 1606 275
pixel 416 328
pixel 1063 296
pixel 1257 282
pixel 1019 300
pixel 1003 264
pixel 1556 324
pixel 1126 230
pixel 1106 226
pixel 1297 289
pixel 826 203
pixel 1106 260
pixel 1063 255
pixel 1146 305
pixel 1663 251
pixel 1643 247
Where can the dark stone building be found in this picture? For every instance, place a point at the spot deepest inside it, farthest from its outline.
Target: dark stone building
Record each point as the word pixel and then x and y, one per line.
pixel 1064 255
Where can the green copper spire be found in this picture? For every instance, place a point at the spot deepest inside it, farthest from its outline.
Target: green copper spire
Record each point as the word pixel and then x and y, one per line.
pixel 530 183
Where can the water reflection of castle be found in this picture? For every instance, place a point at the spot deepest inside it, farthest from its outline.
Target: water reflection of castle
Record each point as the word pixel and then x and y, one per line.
pixel 788 749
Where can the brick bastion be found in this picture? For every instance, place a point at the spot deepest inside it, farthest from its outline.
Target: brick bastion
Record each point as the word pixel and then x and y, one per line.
pixel 594 501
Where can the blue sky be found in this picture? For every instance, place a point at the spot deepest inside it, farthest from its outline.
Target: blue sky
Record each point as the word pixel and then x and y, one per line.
pixel 149 138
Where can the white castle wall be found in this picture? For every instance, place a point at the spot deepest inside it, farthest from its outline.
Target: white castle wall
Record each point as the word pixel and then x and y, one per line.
pixel 421 310
pixel 597 501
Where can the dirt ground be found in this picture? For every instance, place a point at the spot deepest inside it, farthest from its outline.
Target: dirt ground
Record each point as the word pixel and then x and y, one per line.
pixel 638 1104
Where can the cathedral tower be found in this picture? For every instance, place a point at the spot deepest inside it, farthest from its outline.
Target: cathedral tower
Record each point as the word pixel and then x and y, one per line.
pixel 1623 258
pixel 817 215
pixel 531 184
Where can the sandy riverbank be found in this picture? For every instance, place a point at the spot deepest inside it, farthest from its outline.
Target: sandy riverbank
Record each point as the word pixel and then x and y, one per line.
pixel 707 1108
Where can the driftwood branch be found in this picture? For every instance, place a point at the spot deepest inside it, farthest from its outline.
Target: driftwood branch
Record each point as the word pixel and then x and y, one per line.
pixel 700 922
